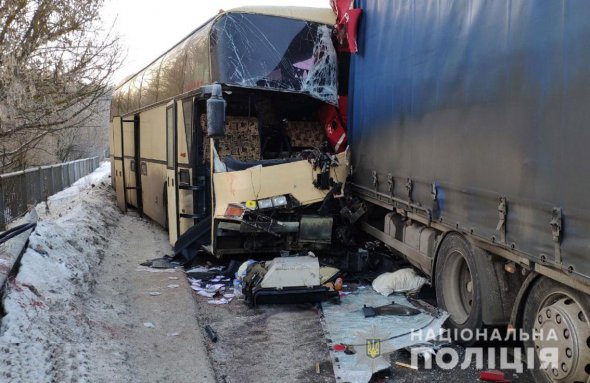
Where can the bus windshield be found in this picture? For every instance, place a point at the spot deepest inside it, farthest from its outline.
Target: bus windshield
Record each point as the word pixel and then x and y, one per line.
pixel 276 53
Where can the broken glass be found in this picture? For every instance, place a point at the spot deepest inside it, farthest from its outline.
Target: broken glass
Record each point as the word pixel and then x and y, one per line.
pixel 275 53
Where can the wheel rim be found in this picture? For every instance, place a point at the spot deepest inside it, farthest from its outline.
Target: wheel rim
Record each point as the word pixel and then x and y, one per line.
pixel 564 325
pixel 458 288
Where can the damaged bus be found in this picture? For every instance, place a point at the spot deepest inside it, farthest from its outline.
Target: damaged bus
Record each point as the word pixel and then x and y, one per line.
pixel 223 138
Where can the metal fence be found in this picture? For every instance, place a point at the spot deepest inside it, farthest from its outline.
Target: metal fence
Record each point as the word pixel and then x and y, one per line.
pixel 19 190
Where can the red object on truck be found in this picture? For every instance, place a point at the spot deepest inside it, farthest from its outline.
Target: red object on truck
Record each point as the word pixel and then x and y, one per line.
pixel 334 122
pixel 347 20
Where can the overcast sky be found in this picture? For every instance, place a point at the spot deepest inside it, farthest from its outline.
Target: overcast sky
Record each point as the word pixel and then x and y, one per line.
pixel 148 28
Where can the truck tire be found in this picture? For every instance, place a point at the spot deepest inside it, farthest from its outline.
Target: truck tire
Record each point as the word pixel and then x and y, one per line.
pixel 563 316
pixel 458 289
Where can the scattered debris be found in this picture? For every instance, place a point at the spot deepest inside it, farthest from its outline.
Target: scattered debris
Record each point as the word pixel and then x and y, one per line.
pixel 220 301
pixel 294 279
pixel 151 270
pixel 400 281
pixel 173 334
pixel 211 284
pixel 211 333
pixel 426 307
pixel 148 325
pixel 345 324
pixel 154 293
pixel 173 286
pixel 405 365
pixel 166 262
pixel 392 309
pixel 492 376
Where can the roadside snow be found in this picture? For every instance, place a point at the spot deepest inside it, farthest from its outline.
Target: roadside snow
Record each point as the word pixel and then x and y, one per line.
pixel 77 309
pixel 62 252
pixel 46 334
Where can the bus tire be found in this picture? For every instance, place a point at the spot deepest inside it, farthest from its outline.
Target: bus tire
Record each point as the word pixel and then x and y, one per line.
pixel 458 287
pixel 562 315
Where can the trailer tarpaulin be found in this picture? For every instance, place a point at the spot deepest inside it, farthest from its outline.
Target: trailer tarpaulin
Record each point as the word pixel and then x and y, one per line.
pixel 466 103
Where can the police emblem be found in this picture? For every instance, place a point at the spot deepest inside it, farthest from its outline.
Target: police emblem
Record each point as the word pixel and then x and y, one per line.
pixel 373 348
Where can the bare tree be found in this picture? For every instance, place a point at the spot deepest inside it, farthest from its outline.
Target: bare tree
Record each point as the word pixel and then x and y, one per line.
pixel 56 61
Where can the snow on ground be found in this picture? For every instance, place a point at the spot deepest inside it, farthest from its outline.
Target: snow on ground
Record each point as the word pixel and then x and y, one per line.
pixel 46 334
pixel 75 312
pixel 63 250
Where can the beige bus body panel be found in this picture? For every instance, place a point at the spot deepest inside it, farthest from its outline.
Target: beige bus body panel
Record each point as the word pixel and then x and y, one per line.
pixel 295 178
pixel 153 134
pixel 153 192
pixel 152 144
pixel 119 185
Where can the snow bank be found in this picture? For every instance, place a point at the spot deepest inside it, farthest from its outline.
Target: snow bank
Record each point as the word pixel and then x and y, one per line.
pixel 45 333
pixel 64 248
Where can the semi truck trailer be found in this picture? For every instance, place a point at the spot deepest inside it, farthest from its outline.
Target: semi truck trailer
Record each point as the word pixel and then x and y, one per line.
pixel 468 133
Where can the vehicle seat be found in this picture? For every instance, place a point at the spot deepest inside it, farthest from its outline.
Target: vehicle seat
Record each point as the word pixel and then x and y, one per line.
pixel 241 141
pixel 305 134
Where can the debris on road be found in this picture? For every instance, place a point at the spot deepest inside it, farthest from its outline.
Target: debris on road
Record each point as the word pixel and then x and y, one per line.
pixel 211 333
pixel 391 309
pixel 492 376
pixel 152 270
pixel 345 325
pixel 293 279
pixel 400 281
pixel 166 262
pixel 211 283
pixel 148 325
pixel 405 365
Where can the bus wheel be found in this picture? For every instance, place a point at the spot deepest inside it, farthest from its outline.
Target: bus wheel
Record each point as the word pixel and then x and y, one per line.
pixel 458 288
pixel 559 316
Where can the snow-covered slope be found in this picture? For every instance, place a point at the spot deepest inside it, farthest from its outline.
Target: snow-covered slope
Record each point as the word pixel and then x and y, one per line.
pixel 46 333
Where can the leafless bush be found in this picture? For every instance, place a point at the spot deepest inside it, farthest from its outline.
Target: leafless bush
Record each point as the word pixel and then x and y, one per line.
pixel 56 60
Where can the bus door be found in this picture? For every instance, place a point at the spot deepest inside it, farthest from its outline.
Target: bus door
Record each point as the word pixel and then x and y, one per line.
pixel 117 177
pixel 171 173
pixel 193 174
pixel 131 175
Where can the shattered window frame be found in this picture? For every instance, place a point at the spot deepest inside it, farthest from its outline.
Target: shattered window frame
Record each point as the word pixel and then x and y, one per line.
pixel 275 53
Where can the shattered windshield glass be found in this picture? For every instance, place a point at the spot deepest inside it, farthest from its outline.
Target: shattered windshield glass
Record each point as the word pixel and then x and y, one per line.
pixel 261 51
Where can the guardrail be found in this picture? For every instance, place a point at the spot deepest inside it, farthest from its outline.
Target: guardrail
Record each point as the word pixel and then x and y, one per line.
pixel 19 190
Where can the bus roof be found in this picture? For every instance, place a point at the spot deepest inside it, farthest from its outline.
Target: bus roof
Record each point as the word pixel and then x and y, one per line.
pixel 317 15
pixel 195 60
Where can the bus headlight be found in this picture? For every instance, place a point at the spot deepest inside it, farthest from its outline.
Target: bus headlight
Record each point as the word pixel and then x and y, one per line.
pixel 279 201
pixel 265 203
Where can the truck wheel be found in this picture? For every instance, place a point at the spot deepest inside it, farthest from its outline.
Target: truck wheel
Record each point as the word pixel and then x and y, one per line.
pixel 458 287
pixel 562 315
